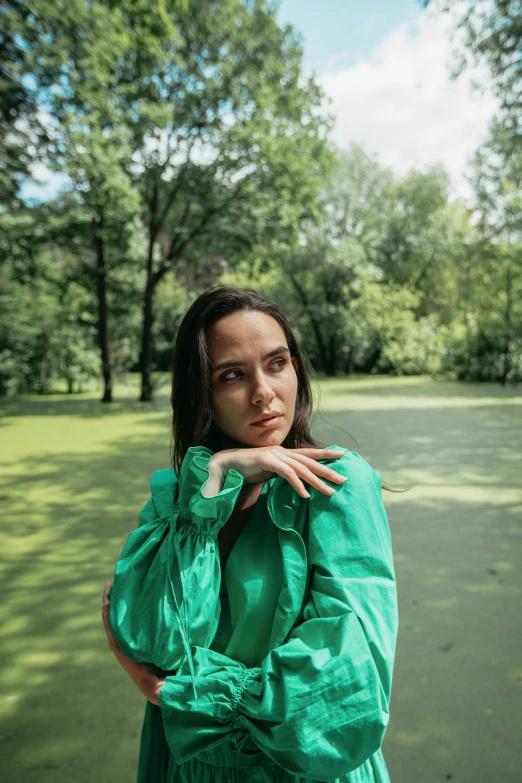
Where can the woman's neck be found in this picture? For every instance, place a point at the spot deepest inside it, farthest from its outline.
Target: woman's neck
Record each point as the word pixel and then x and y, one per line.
pixel 226 442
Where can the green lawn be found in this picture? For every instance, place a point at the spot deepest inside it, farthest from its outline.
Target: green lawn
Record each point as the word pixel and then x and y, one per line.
pixel 74 475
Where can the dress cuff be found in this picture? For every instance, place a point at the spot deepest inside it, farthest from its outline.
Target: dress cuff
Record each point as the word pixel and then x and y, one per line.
pixel 212 512
pixel 243 678
pixel 193 725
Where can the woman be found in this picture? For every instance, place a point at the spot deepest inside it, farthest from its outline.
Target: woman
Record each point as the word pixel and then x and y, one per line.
pixel 258 617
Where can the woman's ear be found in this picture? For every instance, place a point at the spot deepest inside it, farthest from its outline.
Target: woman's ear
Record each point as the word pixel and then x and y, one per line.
pixel 295 364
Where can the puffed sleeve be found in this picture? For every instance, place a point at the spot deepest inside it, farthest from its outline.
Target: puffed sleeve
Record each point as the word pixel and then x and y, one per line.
pixel 165 591
pixel 319 703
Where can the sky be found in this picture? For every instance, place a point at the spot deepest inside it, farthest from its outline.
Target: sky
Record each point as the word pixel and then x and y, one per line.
pixel 385 67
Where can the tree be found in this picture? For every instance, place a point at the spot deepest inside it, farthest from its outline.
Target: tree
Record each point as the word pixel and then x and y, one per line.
pixel 46 326
pixel 422 240
pixel 492 34
pixel 22 133
pixel 496 179
pixel 325 270
pixel 93 162
pixel 226 139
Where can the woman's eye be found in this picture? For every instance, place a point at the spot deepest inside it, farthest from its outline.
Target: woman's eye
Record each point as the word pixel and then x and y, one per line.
pixel 226 378
pixel 230 376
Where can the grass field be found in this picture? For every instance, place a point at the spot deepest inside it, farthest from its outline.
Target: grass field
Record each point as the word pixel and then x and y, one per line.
pixel 74 475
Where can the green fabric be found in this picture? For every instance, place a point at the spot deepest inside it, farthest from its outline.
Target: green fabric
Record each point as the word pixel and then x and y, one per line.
pixel 253 579
pixel 316 708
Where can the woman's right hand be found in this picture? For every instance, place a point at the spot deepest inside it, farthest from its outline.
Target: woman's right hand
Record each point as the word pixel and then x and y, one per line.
pixel 262 463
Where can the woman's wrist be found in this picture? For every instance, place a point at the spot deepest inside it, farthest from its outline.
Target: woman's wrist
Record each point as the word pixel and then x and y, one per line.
pixel 142 676
pixel 216 470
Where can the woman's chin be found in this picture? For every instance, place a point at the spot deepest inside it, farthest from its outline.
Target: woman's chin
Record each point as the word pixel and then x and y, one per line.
pixel 273 437
pixel 257 436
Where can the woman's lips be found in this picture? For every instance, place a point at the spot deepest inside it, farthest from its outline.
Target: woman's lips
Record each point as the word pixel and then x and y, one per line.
pixel 267 423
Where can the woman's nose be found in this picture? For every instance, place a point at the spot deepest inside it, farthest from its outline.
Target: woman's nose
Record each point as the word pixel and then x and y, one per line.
pixel 262 389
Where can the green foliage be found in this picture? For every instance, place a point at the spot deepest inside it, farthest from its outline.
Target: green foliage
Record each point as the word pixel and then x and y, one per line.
pixel 48 316
pixel 46 332
pixel 474 352
pixel 194 118
pixel 22 133
pixel 492 34
pixel 389 336
pixel 497 179
pixel 172 302
pixel 423 237
pixel 196 152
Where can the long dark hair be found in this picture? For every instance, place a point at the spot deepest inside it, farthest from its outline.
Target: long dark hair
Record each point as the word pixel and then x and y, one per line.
pixel 192 420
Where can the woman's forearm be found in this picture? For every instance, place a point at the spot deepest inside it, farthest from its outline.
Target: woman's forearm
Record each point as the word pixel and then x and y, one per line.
pixel 142 676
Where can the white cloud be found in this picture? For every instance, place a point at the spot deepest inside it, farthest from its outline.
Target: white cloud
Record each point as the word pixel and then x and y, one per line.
pixel 402 104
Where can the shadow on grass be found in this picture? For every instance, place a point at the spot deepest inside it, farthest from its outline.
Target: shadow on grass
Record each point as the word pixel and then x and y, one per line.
pixel 86 408
pixel 418 387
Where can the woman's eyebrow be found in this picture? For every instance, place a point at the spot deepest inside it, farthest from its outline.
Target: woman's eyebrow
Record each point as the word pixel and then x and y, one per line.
pixel 241 362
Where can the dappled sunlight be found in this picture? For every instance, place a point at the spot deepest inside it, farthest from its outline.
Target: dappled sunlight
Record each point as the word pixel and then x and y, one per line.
pixel 71 489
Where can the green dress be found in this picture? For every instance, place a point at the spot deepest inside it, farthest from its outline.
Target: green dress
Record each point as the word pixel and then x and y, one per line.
pixel 280 669
pixel 252 582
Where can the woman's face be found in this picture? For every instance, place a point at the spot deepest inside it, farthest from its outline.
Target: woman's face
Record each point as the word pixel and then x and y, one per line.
pixel 252 374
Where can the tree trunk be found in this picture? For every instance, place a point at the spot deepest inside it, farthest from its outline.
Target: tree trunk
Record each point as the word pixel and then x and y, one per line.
pixel 349 364
pixel 42 378
pixel 507 327
pixel 315 325
pixel 331 358
pixel 157 218
pixel 146 341
pixel 148 304
pixel 101 293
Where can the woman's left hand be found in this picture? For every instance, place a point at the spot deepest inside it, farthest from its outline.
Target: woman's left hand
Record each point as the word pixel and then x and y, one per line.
pixel 144 675
pixel 106 607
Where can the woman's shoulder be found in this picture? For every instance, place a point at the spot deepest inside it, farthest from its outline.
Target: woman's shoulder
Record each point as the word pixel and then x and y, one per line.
pixel 355 511
pixel 351 464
